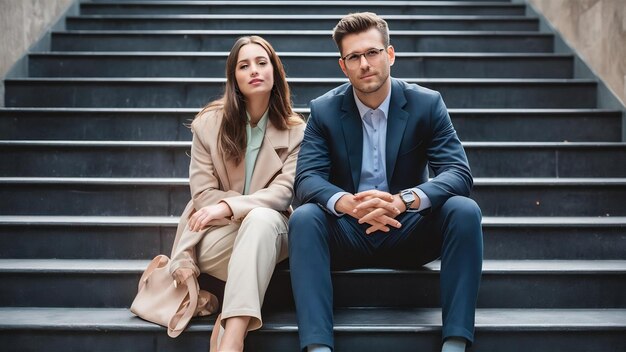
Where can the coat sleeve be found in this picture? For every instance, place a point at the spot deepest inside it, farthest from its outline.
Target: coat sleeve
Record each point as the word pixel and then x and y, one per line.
pixel 279 192
pixel 447 158
pixel 183 251
pixel 312 181
pixel 205 190
pixel 203 183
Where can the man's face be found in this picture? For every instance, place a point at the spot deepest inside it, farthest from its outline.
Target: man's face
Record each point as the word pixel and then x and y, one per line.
pixel 367 72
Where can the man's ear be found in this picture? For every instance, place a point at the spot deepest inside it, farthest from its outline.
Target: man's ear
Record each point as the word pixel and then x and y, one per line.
pixel 391 53
pixel 343 67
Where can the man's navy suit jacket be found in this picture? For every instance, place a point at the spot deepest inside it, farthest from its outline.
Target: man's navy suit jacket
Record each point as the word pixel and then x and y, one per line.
pixel 419 134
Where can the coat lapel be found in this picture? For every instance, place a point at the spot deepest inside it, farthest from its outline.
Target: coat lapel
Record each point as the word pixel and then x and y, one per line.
pixel 353 135
pixel 230 175
pixel 396 125
pixel 236 176
pixel 268 161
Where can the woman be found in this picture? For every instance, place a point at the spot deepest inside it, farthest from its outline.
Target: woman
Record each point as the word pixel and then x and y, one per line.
pixel 243 160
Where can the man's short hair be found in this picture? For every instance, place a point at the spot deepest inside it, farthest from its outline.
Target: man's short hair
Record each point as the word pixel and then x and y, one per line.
pixel 359 22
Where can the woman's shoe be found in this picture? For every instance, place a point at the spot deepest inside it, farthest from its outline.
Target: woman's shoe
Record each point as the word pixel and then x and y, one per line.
pixel 207 303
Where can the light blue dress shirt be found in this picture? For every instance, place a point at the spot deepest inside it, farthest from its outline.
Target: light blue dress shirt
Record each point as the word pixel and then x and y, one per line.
pixel 374 167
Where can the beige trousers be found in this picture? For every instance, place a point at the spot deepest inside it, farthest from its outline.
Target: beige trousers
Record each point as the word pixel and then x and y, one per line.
pixel 244 255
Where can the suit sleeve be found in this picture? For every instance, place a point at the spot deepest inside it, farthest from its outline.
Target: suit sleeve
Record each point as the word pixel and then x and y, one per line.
pixel 313 169
pixel 278 194
pixel 204 185
pixel 447 158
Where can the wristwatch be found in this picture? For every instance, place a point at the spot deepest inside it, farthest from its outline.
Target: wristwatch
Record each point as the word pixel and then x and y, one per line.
pixel 408 197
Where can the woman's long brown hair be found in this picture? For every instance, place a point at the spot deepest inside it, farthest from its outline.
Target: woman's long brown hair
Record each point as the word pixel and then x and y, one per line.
pixel 232 133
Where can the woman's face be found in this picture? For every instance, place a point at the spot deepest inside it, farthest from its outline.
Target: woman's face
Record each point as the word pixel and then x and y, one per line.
pixel 254 71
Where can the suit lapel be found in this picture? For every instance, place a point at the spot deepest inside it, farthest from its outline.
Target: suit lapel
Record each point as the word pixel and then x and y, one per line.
pixel 268 161
pixel 396 125
pixel 353 135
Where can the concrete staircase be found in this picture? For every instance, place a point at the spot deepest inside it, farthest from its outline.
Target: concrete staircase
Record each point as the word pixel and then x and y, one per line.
pixel 93 175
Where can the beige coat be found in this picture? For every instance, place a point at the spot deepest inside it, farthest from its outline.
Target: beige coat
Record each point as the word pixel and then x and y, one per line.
pixel 213 179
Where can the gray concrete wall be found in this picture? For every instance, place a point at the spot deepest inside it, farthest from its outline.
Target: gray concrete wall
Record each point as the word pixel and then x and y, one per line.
pixel 596 29
pixel 22 24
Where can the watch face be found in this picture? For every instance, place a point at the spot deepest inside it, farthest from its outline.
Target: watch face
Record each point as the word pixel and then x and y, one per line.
pixel 407 196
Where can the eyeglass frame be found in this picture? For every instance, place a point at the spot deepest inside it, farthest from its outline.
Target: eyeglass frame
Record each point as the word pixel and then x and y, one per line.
pixel 362 54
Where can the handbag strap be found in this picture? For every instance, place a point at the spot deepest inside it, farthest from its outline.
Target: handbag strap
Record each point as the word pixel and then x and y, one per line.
pixel 155 263
pixel 192 288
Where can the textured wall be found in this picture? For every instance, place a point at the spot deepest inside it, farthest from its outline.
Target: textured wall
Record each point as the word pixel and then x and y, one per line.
pixel 22 22
pixel 596 29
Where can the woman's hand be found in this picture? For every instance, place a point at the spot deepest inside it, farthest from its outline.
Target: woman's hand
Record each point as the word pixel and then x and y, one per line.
pixel 201 218
pixel 181 275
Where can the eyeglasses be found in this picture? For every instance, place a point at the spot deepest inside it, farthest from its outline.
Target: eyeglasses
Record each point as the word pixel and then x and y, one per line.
pixel 353 60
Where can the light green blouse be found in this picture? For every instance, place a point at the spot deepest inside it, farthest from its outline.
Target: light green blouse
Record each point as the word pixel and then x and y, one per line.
pixel 254 137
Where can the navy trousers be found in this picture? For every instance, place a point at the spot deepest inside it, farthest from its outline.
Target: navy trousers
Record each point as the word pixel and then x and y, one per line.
pixel 319 241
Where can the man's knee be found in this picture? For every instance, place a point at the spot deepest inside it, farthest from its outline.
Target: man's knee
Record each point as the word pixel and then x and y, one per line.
pixel 463 221
pixel 463 208
pixel 306 215
pixel 307 223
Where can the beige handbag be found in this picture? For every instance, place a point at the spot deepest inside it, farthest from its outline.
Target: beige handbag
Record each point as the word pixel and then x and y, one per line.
pixel 159 301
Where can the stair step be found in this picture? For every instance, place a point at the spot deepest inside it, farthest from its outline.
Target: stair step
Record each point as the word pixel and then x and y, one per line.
pixel 556 159
pixel 534 125
pixel 168 124
pixel 96 123
pixel 168 196
pixel 86 237
pixel 115 237
pixel 114 329
pixel 292 40
pixel 189 92
pixel 504 284
pixel 294 22
pixel 549 197
pixel 553 238
pixel 302 7
pixel 159 64
pixel 171 159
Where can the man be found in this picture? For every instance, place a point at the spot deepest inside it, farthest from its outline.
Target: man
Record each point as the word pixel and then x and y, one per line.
pixel 362 178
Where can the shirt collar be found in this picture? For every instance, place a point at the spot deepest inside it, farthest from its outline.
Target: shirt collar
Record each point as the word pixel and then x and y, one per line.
pixel 262 124
pixel 363 109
